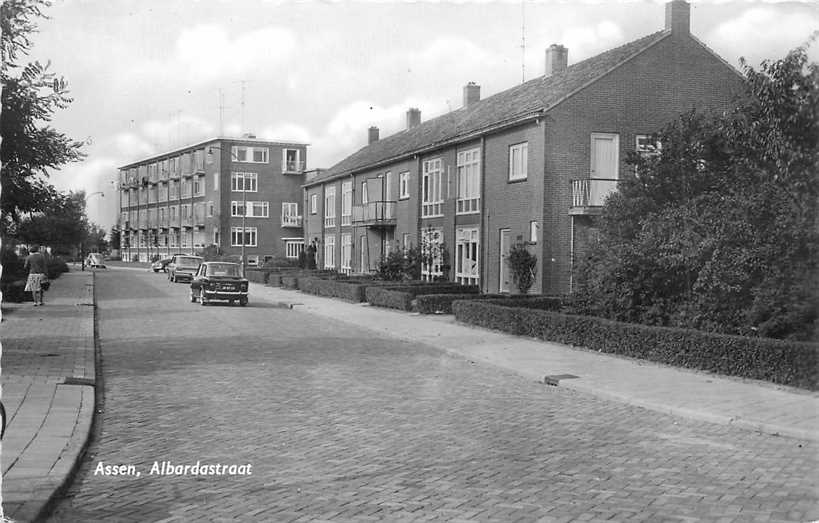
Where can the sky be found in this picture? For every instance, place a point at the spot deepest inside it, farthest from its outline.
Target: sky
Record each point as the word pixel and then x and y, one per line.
pixel 148 76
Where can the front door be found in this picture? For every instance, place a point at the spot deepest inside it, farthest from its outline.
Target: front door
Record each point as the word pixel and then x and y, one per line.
pixel 605 158
pixel 505 275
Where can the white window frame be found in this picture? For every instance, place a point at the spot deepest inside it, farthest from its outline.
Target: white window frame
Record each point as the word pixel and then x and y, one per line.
pixel 253 260
pixel 249 152
pixel 290 214
pixel 198 185
pixel 236 210
pixel 534 231
pixel 250 236
pixel 330 251
pixel 347 203
pixel 239 182
pixel 403 185
pixel 330 206
pixel 365 194
pixel 469 182
pixel 432 197
pixel 293 247
pixel 518 161
pixel 387 185
pixel 467 256
pixel 346 252
pixel 314 203
pixel 285 167
pixel 254 205
pixel 210 209
pixel 644 147
pixel 430 271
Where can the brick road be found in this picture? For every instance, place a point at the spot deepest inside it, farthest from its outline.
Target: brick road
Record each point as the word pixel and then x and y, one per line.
pixel 344 425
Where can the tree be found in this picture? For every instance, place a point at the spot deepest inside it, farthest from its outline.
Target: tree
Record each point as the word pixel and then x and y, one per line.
pixel 61 224
pixel 523 266
pixel 115 235
pixel 31 94
pixel 718 232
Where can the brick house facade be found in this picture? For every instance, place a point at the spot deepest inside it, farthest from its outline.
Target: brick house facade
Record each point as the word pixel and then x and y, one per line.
pixel 530 164
pixel 185 200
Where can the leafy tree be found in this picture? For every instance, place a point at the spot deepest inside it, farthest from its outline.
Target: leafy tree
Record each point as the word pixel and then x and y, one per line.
pixel 718 232
pixel 523 266
pixel 31 94
pixel 61 224
pixel 115 235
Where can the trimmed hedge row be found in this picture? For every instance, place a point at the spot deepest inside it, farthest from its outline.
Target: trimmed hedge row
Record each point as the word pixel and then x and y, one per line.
pixel 350 290
pixel 275 278
pixel 777 361
pixel 257 276
pixel 401 297
pixel 442 303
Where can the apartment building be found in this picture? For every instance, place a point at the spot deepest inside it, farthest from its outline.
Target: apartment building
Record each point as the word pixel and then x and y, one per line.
pixel 531 164
pixel 237 194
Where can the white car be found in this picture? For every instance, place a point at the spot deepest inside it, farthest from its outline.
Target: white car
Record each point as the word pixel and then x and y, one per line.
pixel 95 261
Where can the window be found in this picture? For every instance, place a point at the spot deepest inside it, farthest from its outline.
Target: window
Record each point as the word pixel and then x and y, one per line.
pixel 199 186
pixel 432 197
pixel 290 215
pixel 330 207
pixel 215 181
pixel 534 231
pixel 346 252
pixel 249 154
pixel 210 209
pixel 646 147
pixel 243 182
pixel 365 197
pixel 431 252
pixel 466 256
pixel 162 192
pixel 387 181
pixel 330 252
pixel 237 209
pixel 469 182
pixel 313 203
pixel 292 248
pixel 403 185
pixel 291 161
pixel 518 161
pixel 236 236
pixel 346 205
pixel 253 260
pixel 258 209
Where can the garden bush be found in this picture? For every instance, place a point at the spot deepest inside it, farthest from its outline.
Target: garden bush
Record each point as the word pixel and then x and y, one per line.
pixel 401 297
pixel 350 290
pixel 778 361
pixel 257 275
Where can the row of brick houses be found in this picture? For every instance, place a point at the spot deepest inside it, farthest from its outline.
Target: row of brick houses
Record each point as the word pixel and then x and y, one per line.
pixel 530 164
pixel 221 192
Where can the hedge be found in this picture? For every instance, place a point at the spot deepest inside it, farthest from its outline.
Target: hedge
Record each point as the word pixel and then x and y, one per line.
pixel 401 297
pixel 345 289
pixel 257 275
pixel 777 361
pixel 442 303
pixel 275 278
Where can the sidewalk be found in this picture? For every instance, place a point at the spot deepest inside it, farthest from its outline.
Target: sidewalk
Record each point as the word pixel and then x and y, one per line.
pixel 690 394
pixel 48 377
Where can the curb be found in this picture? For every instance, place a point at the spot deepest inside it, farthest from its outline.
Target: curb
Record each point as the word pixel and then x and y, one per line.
pixel 73 468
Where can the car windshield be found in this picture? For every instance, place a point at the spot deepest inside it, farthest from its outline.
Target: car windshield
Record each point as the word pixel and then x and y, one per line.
pixel 188 261
pixel 223 269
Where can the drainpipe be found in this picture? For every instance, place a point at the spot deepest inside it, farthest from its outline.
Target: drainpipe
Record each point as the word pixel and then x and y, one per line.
pixel 483 273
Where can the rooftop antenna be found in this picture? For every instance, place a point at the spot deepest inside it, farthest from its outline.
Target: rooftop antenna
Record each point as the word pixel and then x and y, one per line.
pixel 244 86
pixel 522 41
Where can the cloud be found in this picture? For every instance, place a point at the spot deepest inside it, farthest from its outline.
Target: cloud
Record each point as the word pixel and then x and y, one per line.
pixel 94 175
pixel 772 31
pixel 584 42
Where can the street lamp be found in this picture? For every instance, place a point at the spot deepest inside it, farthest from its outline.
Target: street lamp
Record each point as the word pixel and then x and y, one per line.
pixel 82 244
pixel 244 201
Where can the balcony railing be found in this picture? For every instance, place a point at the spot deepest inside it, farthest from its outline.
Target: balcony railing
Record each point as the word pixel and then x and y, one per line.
pixel 293 166
pixel 289 220
pixel 374 213
pixel 591 193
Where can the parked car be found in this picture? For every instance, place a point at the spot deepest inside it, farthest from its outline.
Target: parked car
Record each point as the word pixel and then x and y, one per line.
pixel 161 265
pixel 183 267
pixel 219 281
pixel 95 261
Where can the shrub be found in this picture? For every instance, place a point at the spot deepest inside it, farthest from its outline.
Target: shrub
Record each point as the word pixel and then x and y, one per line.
pixel 257 275
pixel 13 291
pixel 289 281
pixel 401 297
pixel 777 361
pixel 523 266
pixel 350 290
pixel 55 267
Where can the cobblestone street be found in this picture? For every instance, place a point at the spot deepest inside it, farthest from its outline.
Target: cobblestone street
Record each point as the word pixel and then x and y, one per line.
pixel 341 424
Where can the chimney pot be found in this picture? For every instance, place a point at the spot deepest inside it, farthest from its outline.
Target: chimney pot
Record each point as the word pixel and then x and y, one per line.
pixel 557 59
pixel 678 17
pixel 472 93
pixel 413 117
pixel 372 135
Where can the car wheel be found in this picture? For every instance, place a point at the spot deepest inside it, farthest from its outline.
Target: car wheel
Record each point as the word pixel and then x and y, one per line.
pixel 202 299
pixel 156 270
pixel 243 302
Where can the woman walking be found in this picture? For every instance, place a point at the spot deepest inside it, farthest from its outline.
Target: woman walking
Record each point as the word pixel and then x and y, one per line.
pixel 36 265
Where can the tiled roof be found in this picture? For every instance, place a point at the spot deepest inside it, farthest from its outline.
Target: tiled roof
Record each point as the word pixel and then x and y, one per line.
pixel 538 94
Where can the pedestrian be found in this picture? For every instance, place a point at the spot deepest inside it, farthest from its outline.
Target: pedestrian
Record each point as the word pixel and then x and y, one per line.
pixel 37 276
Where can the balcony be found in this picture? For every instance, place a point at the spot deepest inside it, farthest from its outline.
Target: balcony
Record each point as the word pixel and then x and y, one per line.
pixel 293 167
pixel 289 220
pixel 375 214
pixel 588 195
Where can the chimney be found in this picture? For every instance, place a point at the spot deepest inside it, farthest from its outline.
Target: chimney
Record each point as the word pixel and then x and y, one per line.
pixel 472 93
pixel 413 117
pixel 678 17
pixel 557 59
pixel 372 136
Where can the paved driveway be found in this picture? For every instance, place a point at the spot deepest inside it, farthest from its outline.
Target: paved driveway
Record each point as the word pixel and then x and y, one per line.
pixel 342 424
